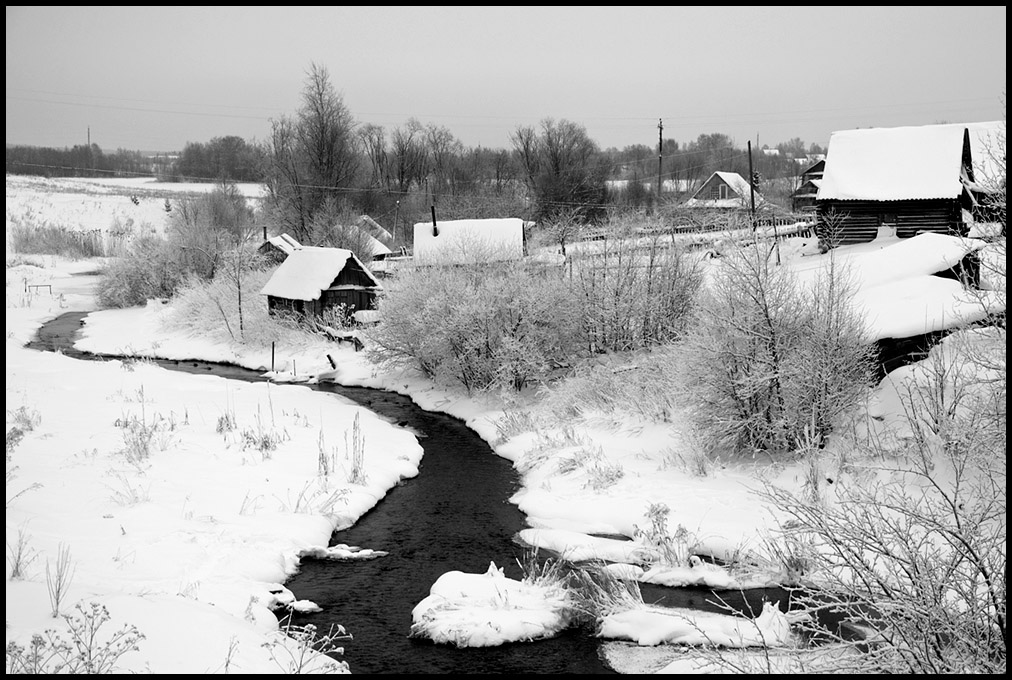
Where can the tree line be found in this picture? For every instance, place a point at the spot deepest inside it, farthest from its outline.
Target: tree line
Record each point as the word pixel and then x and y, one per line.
pixel 321 162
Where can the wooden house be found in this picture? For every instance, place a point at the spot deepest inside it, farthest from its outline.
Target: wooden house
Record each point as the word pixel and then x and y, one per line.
pixel 906 180
pixel 276 249
pixel 312 280
pixel 470 241
pixel 724 190
pixel 804 197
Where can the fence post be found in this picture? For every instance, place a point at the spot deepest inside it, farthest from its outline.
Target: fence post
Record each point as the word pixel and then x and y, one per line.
pixel 272 356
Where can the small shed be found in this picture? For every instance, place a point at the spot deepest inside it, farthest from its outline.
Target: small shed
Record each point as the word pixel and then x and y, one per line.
pixel 276 249
pixel 470 241
pixel 312 280
pixel 724 190
pixel 911 180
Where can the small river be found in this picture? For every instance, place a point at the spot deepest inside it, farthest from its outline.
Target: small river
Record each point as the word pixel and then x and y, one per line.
pixel 454 515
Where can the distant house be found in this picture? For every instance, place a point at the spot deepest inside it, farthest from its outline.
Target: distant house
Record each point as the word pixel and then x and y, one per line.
pixel 312 280
pixel 377 248
pixel 929 178
pixel 727 190
pixel 373 228
pixel 363 235
pixel 276 249
pixel 803 198
pixel 470 241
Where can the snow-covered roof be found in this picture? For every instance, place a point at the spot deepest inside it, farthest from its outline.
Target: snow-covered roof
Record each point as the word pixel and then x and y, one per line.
pixel 904 163
pixel 374 228
pixel 308 271
pixel 284 243
pixel 738 185
pixel 735 181
pixel 376 246
pixel 469 241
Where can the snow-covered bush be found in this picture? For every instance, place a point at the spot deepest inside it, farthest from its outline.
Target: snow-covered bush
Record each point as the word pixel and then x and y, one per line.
pixel 484 327
pixel 771 365
pixel 148 270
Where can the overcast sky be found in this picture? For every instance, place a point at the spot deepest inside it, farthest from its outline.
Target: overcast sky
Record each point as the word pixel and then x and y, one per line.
pixel 155 78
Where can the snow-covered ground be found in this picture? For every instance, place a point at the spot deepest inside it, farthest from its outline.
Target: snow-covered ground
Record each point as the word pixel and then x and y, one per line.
pixel 182 503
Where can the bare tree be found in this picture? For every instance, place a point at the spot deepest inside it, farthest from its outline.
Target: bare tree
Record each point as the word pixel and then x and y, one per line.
pixel 311 156
pixel 563 168
pixel 408 158
pixel 289 201
pixel 326 132
pixel 374 142
pixel 443 150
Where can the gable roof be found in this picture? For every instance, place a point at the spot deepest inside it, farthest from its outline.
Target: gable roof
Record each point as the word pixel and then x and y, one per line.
pixel 808 187
pixel 283 242
pixel 818 166
pixel 374 228
pixel 308 271
pixel 738 185
pixel 904 163
pixel 376 247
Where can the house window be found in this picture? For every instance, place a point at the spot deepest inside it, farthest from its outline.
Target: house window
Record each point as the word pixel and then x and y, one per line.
pixel 722 191
pixel 887 219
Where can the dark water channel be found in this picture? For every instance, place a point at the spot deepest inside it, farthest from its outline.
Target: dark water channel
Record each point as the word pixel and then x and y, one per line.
pixel 455 515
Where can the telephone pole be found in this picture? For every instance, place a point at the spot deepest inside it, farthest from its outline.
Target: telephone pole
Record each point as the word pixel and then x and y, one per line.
pixel 751 183
pixel 660 158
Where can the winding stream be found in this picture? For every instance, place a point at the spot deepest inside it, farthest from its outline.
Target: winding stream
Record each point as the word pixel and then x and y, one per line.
pixel 454 515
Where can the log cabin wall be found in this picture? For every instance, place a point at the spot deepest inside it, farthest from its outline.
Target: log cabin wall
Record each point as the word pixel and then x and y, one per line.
pixel 858 221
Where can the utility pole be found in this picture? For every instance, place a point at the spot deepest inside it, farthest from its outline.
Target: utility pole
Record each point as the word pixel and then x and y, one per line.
pixel 751 184
pixel 660 158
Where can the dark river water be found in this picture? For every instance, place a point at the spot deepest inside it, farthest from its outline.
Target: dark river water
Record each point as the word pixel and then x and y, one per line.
pixel 455 515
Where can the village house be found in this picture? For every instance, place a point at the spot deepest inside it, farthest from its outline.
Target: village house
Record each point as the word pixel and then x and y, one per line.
pixel 314 280
pixel 804 197
pixel 470 241
pixel 276 249
pixel 724 190
pixel 908 180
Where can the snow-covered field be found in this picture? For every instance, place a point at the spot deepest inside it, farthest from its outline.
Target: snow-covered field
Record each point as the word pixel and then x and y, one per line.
pixel 101 204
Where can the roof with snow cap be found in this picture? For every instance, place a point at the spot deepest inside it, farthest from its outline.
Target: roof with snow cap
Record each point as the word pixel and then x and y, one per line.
pixel 308 271
pixel 908 163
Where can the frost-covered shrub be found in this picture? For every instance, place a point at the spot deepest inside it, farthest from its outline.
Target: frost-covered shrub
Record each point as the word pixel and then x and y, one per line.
pixel 772 365
pixel 148 270
pixel 488 326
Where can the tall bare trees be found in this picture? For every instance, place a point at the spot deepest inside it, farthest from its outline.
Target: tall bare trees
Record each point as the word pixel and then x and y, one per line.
pixel 562 167
pixel 312 156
